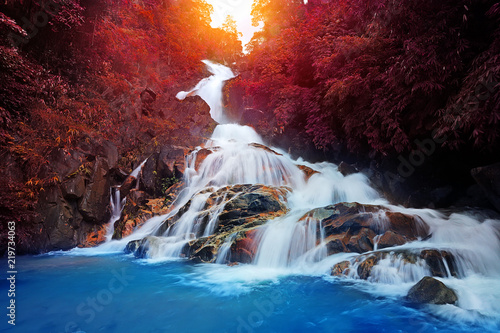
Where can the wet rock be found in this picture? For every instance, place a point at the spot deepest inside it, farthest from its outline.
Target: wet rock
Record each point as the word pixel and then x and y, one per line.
pixel 94 237
pixel 127 185
pixel 353 227
pixel 341 268
pixel 431 291
pixel 390 239
pixel 266 148
pixel 409 226
pixel 436 260
pixel 366 266
pixel 347 169
pixel 361 242
pixel 488 177
pixel 335 244
pixel 201 155
pixel 307 171
pixel 95 201
pixel 133 216
pixel 251 201
pixel 430 259
pixel 138 197
pixel 133 246
pixel 244 249
pixel 148 177
pixel 233 92
pixel 62 225
pixel 118 175
pixel 342 217
pixel 246 207
pixel 59 220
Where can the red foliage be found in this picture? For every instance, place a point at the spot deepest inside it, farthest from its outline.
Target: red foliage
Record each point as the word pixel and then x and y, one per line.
pixel 377 74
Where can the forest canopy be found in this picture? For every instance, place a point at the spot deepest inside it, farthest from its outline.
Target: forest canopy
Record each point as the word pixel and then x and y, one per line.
pixel 379 74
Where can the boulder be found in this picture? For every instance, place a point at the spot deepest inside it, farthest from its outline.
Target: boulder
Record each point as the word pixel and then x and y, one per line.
pixel 127 185
pixel 252 200
pixel 171 161
pixel 361 242
pixel 336 244
pixel 347 169
pixel 432 258
pixel 441 263
pixel 408 226
pixel 366 266
pixel 390 239
pixel 65 161
pixel 160 168
pixel 243 209
pixel 431 291
pixel 488 177
pixel 94 205
pixel 138 197
pixel 73 188
pixel 62 225
pixel 353 227
pixel 244 249
pixel 341 268
pixel 109 151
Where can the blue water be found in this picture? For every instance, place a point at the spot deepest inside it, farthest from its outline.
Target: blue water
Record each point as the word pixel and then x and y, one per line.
pixel 116 293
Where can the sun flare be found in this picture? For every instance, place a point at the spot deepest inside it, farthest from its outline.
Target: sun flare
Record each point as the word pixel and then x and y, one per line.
pixel 240 10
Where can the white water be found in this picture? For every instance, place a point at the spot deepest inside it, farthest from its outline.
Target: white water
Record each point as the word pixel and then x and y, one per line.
pixel 210 89
pixel 289 246
pixel 117 205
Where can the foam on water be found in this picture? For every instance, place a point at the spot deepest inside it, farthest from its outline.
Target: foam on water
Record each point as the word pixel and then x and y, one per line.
pixel 293 244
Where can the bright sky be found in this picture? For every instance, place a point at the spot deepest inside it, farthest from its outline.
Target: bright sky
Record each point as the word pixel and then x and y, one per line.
pixel 240 10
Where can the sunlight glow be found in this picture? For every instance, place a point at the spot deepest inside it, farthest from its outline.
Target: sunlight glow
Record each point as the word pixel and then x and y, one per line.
pixel 240 10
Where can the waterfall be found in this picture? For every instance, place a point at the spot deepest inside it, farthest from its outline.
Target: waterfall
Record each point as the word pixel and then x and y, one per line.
pixel 223 254
pixel 116 205
pixel 210 90
pixel 296 240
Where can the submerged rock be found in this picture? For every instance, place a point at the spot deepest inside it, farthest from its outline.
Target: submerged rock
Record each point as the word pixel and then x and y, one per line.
pixel 431 291
pixel 353 227
pixel 406 262
pixel 341 268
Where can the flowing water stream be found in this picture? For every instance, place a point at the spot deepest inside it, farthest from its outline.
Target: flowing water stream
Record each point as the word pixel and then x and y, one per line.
pixel 291 258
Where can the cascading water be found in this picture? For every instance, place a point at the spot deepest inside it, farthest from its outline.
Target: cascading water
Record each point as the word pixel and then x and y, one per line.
pixel 116 204
pixel 296 241
pixel 210 89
